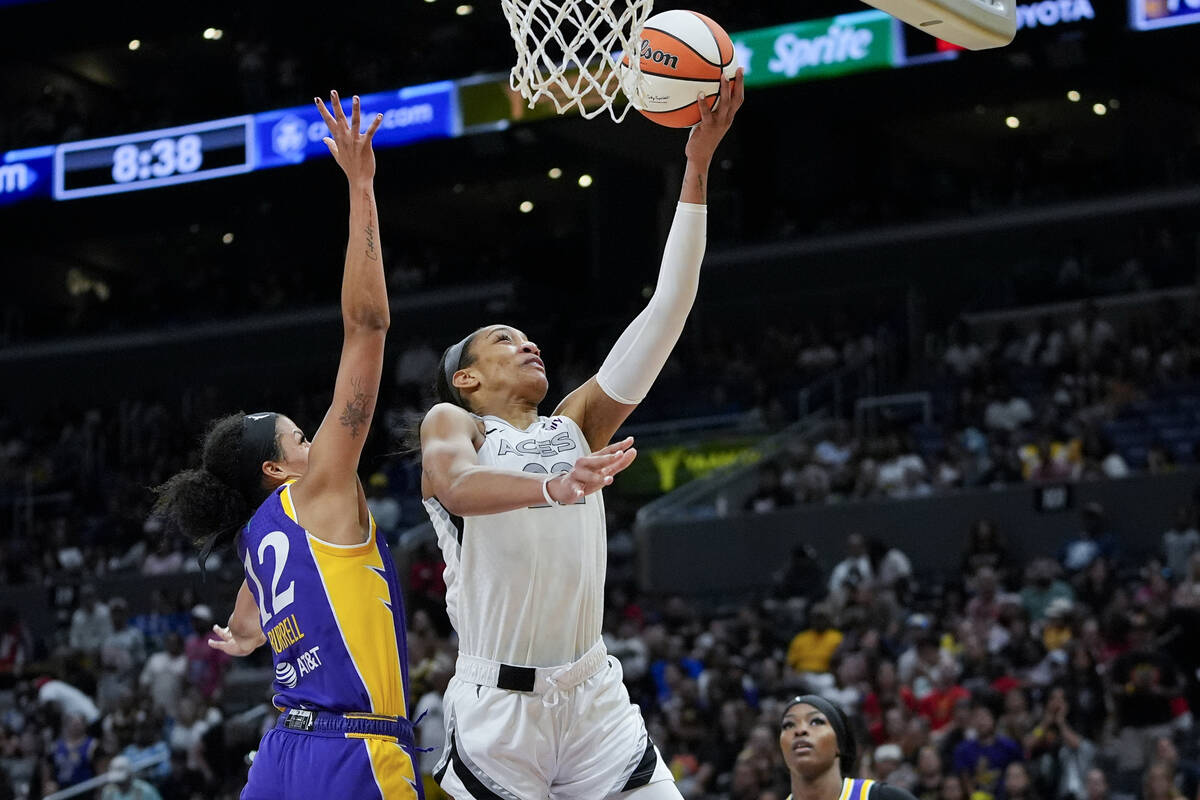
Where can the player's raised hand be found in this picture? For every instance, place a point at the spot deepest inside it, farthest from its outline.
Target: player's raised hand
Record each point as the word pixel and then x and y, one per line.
pixel 592 473
pixel 707 134
pixel 350 145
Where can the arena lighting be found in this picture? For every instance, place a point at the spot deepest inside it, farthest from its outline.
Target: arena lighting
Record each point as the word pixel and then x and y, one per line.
pixel 1074 96
pixel 134 44
pixel 1100 109
pixel 1012 122
pixel 555 173
pixel 526 207
pixel 464 9
pixel 227 238
pixel 585 180
pixel 212 34
pixel 1114 104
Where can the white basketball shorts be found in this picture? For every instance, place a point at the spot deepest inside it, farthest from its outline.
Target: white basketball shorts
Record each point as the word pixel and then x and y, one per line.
pixel 585 742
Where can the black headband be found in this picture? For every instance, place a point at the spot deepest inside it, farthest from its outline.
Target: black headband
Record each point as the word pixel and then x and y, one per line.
pixel 258 445
pixel 450 364
pixel 847 746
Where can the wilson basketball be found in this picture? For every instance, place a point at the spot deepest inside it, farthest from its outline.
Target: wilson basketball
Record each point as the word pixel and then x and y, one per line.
pixel 683 53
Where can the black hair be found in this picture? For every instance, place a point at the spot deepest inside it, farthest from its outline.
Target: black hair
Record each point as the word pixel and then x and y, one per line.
pixel 836 716
pixel 212 502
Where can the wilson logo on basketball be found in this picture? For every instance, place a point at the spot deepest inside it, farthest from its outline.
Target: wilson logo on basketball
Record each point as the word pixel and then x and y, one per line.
pixel 659 56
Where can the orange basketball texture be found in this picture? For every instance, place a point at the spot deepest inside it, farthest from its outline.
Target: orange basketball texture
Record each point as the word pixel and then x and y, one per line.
pixel 683 53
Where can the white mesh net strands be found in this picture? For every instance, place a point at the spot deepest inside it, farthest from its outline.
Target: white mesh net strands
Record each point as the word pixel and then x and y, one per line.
pixel 565 52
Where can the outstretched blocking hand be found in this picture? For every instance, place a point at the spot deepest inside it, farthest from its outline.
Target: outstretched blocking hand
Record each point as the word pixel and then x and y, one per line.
pixel 707 134
pixel 349 144
pixel 592 473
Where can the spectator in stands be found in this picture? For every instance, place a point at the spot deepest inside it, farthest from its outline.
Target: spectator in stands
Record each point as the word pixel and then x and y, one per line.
pixel 953 788
pixel 1017 783
pixel 1090 334
pixel 1158 784
pixel 16 647
pixel 164 674
pixel 1093 541
pixel 1180 541
pixel 1042 587
pixel 811 650
pixel 1185 775
pixel 206 665
pixel 945 695
pixel 1095 785
pixel 802 577
pixel 120 656
pixel 981 761
pixel 192 721
pixel 384 508
pixel 167 558
pixel 90 624
pixel 1006 411
pixel 1187 593
pixel 1059 756
pixel 1144 681
pixel 770 494
pixel 985 548
pixel 149 746
pixel 160 620
pixel 73 753
pixel 1096 586
pixel 1084 692
pixel 1044 346
pixel 124 785
pixel 929 777
pixel 853 569
pixel 886 761
pixel 1160 460
pixel 963 357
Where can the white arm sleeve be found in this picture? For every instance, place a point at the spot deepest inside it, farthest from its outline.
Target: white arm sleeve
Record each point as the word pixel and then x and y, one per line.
pixel 638 356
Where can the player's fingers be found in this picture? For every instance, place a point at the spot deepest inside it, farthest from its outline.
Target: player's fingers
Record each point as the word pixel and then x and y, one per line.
pixel 739 89
pixel 621 462
pixel 615 447
pixel 619 465
pixel 355 116
pixel 705 110
pixel 331 145
pixel 336 102
pixel 374 126
pixel 324 112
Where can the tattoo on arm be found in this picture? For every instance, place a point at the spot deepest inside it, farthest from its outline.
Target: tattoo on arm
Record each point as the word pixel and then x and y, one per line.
pixel 355 416
pixel 370 231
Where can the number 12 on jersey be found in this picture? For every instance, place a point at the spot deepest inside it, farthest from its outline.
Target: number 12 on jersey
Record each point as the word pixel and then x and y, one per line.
pixel 278 542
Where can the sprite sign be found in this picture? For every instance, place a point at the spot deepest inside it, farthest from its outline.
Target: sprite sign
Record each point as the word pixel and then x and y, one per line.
pixel 818 48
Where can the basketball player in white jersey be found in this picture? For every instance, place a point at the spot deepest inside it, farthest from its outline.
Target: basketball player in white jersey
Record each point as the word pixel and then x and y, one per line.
pixel 536 708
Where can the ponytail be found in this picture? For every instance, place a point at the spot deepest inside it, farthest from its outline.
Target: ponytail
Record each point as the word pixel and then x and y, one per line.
pixel 210 504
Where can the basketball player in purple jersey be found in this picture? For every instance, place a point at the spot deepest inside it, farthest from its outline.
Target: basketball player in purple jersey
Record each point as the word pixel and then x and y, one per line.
pixel 320 584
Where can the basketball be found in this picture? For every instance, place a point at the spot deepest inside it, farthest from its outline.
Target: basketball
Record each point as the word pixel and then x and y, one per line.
pixel 683 53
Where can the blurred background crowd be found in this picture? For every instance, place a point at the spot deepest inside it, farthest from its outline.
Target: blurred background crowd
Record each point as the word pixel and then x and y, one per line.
pixel 939 398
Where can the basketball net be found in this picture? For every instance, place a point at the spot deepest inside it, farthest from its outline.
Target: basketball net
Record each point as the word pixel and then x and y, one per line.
pixel 566 48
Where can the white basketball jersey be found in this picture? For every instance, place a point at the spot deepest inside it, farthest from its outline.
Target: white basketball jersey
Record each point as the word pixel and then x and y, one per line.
pixel 526 587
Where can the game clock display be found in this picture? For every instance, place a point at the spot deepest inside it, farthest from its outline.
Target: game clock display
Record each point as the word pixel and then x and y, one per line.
pixel 154 158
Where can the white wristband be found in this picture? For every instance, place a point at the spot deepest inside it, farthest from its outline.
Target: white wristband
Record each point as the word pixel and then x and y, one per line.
pixel 546 491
